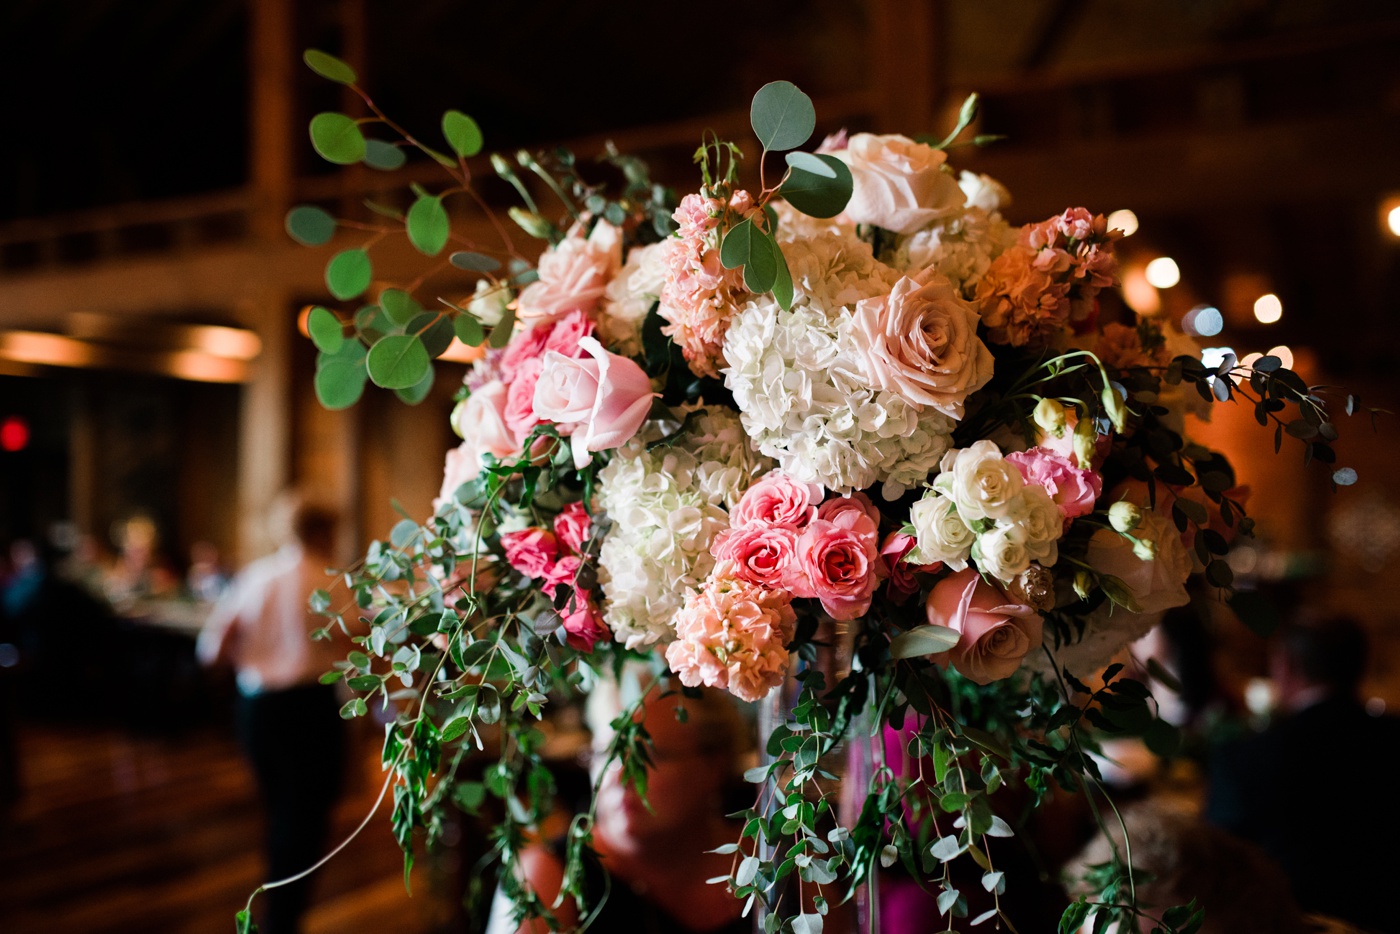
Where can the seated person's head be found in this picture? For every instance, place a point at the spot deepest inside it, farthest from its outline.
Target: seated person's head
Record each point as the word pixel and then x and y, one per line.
pixel 1326 655
pixel 695 758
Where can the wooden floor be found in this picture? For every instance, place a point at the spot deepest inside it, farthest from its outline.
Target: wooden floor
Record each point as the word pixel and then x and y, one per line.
pixel 121 833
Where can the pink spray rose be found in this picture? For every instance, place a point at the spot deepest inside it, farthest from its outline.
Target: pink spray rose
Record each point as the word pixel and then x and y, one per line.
pixel 584 624
pixel 526 347
pixel 995 634
pixel 920 342
pixel 761 554
pixel 600 400
pixel 839 563
pixel 777 499
pixel 519 412
pixel 573 275
pixel 1072 489
pixel 733 634
pixel 572 527
pixel 857 503
pixel 899 184
pixel 532 552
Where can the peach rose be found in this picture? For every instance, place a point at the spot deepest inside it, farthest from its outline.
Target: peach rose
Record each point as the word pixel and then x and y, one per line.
pixel 995 634
pixel 900 185
pixel 920 342
pixel 838 562
pixel 600 401
pixel 574 274
pixel 777 499
pixel 761 554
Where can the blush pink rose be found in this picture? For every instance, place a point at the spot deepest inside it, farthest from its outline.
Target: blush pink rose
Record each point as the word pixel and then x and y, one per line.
pixel 572 527
pixel 995 633
pixel 574 274
pixel 760 554
pixel 600 401
pixel 584 624
pixel 838 562
pixel 902 584
pixel 920 342
pixel 526 347
pixel 519 412
pixel 532 552
pixel 482 424
pixel 461 466
pixel 565 334
pixel 899 184
pixel 777 499
pixel 1073 490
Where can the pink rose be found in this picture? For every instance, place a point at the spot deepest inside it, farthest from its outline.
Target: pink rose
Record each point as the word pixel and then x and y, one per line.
pixel 777 499
pixel 526 347
pixel 859 505
pixel 995 634
pixel 584 624
pixel 920 342
pixel 565 334
pixel 902 583
pixel 838 562
pixel 761 554
pixel 562 573
pixel 600 401
pixel 572 527
pixel 519 412
pixel 482 424
pixel 532 552
pixel 573 275
pixel 1072 489
pixel 461 466
pixel 900 185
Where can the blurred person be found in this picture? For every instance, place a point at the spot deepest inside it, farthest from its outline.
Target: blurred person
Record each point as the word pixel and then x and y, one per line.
pixel 1311 789
pixel 652 866
pixel 138 572
pixel 1182 858
pixel 206 578
pixel 289 723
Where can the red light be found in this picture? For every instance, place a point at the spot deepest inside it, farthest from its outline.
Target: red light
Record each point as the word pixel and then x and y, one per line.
pixel 14 434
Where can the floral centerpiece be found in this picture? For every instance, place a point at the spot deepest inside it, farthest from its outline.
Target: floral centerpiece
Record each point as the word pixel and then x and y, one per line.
pixel 844 400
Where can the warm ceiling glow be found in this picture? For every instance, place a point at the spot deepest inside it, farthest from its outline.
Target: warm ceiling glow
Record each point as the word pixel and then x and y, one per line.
pixel 1163 273
pixel 1139 293
pixel 1124 220
pixel 233 343
pixel 1203 320
pixel 1284 354
pixel 45 349
pixel 1268 308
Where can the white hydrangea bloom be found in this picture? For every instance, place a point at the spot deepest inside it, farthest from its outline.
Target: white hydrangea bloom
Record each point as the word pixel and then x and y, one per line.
pixel 665 506
pixel 800 386
pixel 629 297
pixel 960 247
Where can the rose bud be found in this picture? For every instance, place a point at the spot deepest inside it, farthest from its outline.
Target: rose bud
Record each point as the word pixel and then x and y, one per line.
pixel 1049 417
pixel 1124 516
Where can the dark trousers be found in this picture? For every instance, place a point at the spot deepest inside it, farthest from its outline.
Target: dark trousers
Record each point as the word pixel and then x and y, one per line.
pixel 295 740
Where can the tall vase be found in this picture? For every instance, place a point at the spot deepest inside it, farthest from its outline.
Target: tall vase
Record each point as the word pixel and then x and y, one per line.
pixel 852 760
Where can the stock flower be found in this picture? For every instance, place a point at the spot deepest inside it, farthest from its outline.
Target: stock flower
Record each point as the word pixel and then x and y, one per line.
pixel 921 343
pixel 994 633
pixel 733 634
pixel 899 184
pixel 599 402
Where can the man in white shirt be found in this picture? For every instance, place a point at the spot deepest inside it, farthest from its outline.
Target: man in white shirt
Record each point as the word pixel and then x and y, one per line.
pixel 288 722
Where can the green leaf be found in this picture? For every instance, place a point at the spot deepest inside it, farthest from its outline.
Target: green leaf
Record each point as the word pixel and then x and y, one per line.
pixel 337 138
pixel 383 156
pixel 468 329
pixel 782 116
pixel 500 333
pixel 747 246
pixel 328 66
pixel 399 306
pixel 453 729
pixel 339 384
pixel 348 274
pixel 434 330
pixel 474 262
pixel 397 361
pixel 418 391
pixel 923 640
pixel 782 286
pixel 354 708
pixel 428 226
pixel 309 225
pixel 330 677
pixel 819 185
pixel 325 329
pixel 243 923
pixel 364 682
pixel 461 133
pixel 403 533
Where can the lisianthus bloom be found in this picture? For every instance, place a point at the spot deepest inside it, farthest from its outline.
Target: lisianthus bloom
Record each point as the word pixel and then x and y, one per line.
pixel 994 632
pixel 1073 490
pixel 733 634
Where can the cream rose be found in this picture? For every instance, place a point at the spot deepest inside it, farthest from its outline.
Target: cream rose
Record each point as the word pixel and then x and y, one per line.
pixel 920 342
pixel 1002 552
pixel 599 401
pixel 995 633
pixel 899 184
pixel 1158 584
pixel 939 532
pixel 982 483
